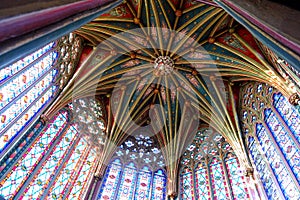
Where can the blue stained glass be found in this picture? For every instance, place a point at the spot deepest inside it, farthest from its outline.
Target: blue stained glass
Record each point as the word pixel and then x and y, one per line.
pixel 132 183
pixel 7 72
pixel 236 178
pixel 126 189
pixel 278 138
pixel 159 186
pixel 110 181
pixel 289 114
pixel 85 175
pixel 210 180
pixel 30 159
pixel 49 167
pixel 218 180
pixel 284 141
pixel 265 175
pixel 187 184
pixel 63 178
pixel 143 184
pixel 25 87
pixel 202 182
pixel 277 165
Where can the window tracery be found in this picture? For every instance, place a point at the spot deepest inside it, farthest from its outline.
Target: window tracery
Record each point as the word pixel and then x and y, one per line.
pixel 136 171
pixel 89 113
pixel 211 170
pixel 271 126
pixel 57 164
pixel 30 84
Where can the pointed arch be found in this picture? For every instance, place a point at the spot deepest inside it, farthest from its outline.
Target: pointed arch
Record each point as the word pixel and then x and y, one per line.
pixel 211 170
pixel 272 139
pixel 135 171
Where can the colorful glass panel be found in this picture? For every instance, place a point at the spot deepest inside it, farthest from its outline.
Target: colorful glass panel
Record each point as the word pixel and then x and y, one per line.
pixel 186 184
pixel 159 186
pixel 126 188
pixel 84 176
pixel 13 181
pixel 284 141
pixel 110 181
pixel 219 185
pixel 9 71
pixel 211 175
pixel 69 169
pixel 142 191
pixel 202 182
pixel 263 171
pixel 284 178
pixel 50 166
pixel 25 87
pixel 236 178
pixel 277 132
pixel 289 114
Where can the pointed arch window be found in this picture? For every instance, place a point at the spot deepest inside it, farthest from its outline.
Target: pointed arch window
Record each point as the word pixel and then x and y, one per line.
pixel 271 125
pixel 135 172
pixel 25 87
pixel 57 165
pixel 211 170
pixel 30 84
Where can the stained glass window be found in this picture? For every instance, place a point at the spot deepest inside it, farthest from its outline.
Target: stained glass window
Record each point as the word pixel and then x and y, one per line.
pixel 159 185
pixel 127 183
pixel 211 170
pixel 25 87
pixel 141 178
pixel 219 184
pixel 187 184
pixel 144 184
pixel 59 164
pixel 202 182
pixel 30 84
pixel 45 172
pixel 90 117
pixel 22 170
pixel 81 184
pixel 111 180
pixel 271 125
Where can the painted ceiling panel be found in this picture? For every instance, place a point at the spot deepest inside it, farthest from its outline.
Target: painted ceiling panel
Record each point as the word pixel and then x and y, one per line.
pixel 170 66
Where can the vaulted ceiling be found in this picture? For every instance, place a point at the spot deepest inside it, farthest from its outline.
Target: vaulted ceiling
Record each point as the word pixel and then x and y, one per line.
pixel 169 67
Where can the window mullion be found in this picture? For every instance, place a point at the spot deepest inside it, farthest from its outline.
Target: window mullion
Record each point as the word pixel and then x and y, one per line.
pixel 209 177
pixel 119 182
pixel 282 121
pixel 226 175
pixel 269 167
pixel 40 164
pixel 25 110
pixel 84 192
pixel 280 153
pixel 151 183
pixel 27 67
pixel 74 176
pixel 59 170
pixel 27 89
pixel 193 180
pixel 136 181
pixel 14 145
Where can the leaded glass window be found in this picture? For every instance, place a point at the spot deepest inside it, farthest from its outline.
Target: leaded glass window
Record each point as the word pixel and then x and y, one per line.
pixel 135 171
pixel 25 87
pixel 271 125
pixel 30 84
pixel 26 165
pixel 58 165
pixel 211 170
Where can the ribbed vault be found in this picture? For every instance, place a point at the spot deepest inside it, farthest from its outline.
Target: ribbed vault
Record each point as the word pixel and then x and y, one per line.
pixel 168 66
